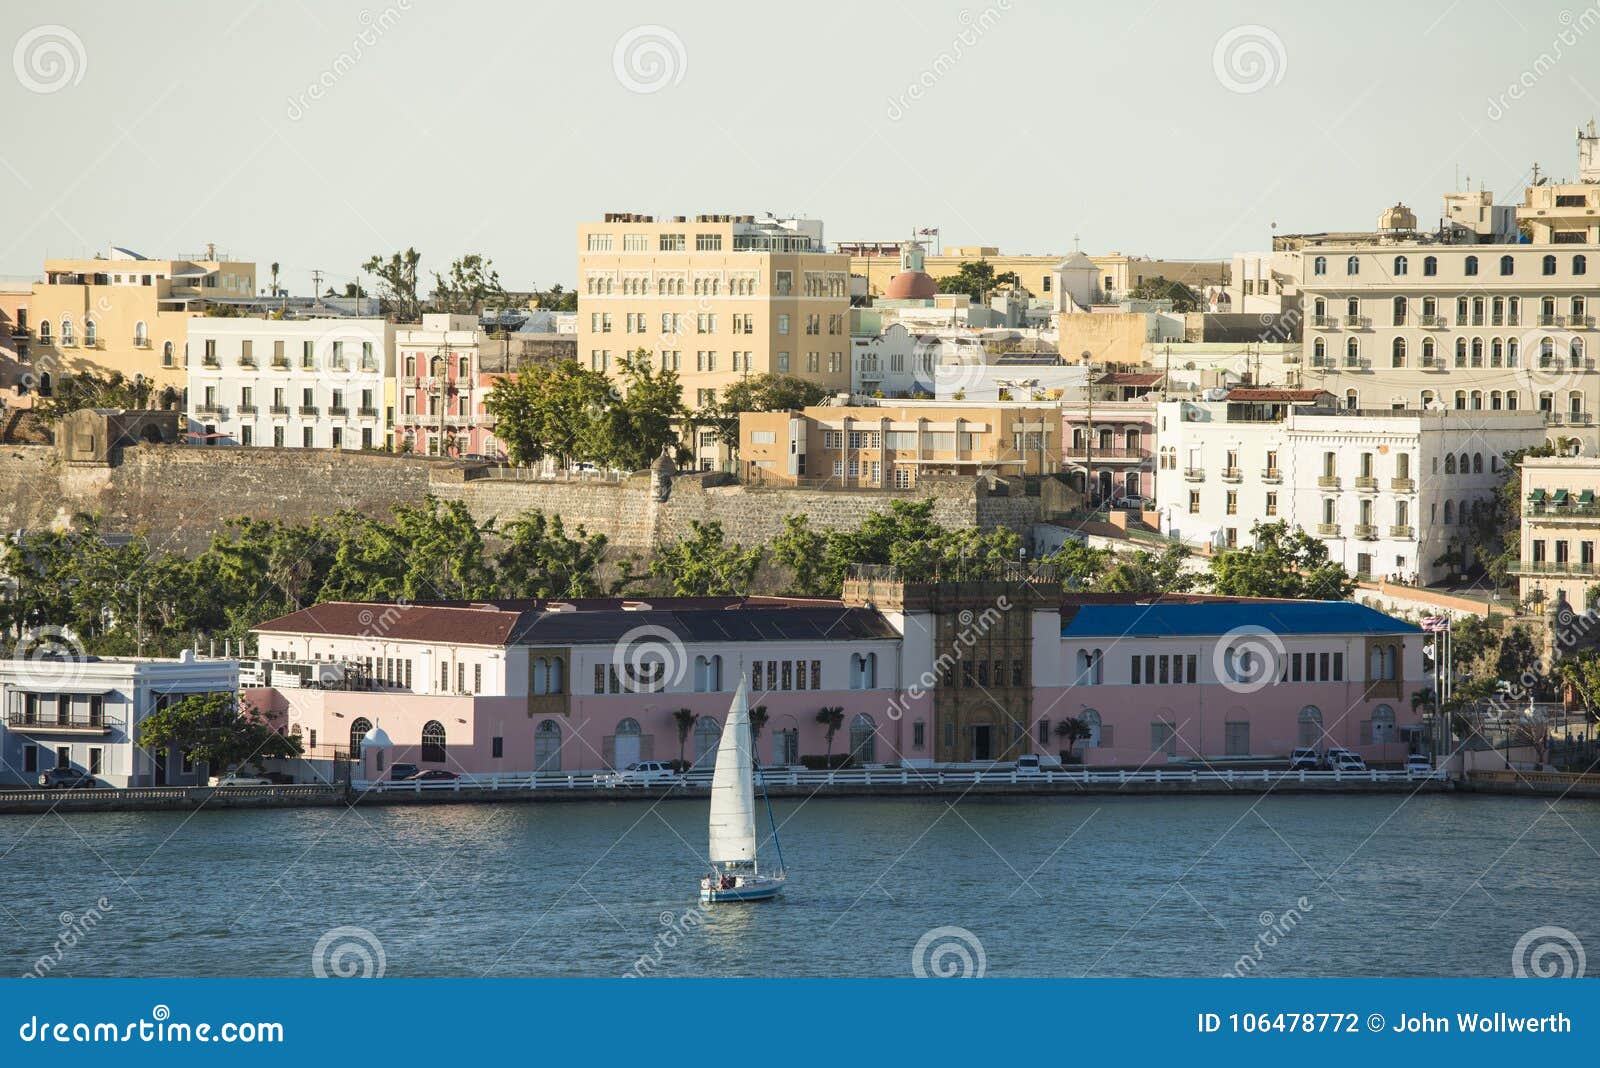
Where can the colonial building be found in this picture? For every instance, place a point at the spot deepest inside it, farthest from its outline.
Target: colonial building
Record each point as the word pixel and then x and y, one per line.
pixel 442 384
pixel 893 673
pixel 124 313
pixel 291 383
pixel 1560 529
pixel 84 714
pixel 715 299
pixel 893 446
pixel 1392 492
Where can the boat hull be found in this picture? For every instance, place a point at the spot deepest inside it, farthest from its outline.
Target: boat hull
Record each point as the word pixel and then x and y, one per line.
pixel 749 890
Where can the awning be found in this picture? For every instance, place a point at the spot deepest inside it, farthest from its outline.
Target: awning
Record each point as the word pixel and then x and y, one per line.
pixel 1586 497
pixel 1537 496
pixel 1562 496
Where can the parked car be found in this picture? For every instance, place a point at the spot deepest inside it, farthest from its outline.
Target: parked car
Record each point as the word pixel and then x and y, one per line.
pixel 1418 764
pixel 66 779
pixel 1028 764
pixel 1305 758
pixel 1134 503
pixel 1348 761
pixel 646 773
pixel 1335 753
pixel 239 778
pixel 398 772
pixel 434 775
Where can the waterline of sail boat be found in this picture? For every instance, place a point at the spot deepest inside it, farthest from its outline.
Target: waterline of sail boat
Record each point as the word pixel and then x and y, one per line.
pixel 735 870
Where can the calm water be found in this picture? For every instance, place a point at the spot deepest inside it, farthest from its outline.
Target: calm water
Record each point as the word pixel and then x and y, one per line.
pixel 1097 886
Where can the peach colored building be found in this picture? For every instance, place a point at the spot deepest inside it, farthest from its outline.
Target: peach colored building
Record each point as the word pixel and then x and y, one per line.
pixel 441 384
pixel 891 446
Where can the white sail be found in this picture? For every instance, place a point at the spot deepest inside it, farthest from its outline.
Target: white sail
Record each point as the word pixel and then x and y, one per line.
pixel 733 795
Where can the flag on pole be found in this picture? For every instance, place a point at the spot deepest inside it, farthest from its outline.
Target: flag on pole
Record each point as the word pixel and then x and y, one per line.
pixel 1435 624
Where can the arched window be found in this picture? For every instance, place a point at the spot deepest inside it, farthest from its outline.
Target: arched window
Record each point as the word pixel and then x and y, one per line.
pixel 166 354
pixel 1461 352
pixel 863 739
pixel 1383 725
pixel 1091 719
pixel 1352 400
pixel 44 332
pixel 707 733
pixel 1575 352
pixel 627 743
pixel 863 671
pixel 1449 506
pixel 1430 265
pixel 1352 350
pixel 1401 309
pixel 547 746
pixel 1310 725
pixel 44 383
pixel 1352 265
pixel 1470 266
pixel 433 742
pixel 1580 264
pixel 1477 352
pixel 91 333
pixel 1397 354
pixel 541 676
pixel 1477 400
pixel 1548 265
pixel 1428 348
pixel 1399 265
pixel 67 336
pixel 1477 463
pixel 1319 265
pixel 141 334
pixel 1508 265
pixel 358 730
pixel 707 674
pixel 1319 352
pixel 1497 353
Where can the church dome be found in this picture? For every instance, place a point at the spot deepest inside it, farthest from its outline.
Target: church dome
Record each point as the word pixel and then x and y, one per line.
pixel 911 285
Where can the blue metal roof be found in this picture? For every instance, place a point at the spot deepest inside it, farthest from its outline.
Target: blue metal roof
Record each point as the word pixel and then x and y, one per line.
pixel 1208 620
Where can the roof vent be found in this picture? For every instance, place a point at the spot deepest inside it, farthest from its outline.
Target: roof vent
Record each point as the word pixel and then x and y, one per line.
pixel 636 606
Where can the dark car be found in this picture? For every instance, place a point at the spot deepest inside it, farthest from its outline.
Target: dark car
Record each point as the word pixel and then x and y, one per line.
pixel 433 775
pixel 66 779
pixel 398 772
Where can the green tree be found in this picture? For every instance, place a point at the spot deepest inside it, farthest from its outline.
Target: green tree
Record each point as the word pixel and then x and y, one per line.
pixel 548 410
pixel 977 279
pixel 397 283
pixel 633 426
pixel 1184 299
pixel 758 393
pixel 683 719
pixel 74 392
pixel 557 298
pixel 1071 731
pixel 704 564
pixel 1518 657
pixel 1149 573
pixel 832 718
pixel 1281 563
pixel 540 560
pixel 216 730
pixel 758 723
pixel 470 284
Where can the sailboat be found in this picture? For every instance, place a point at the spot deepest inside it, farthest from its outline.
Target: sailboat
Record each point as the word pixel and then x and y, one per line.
pixel 736 873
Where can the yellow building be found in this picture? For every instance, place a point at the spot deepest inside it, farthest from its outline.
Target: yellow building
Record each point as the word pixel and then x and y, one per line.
pixel 122 312
pixel 892 446
pixel 1117 276
pixel 716 299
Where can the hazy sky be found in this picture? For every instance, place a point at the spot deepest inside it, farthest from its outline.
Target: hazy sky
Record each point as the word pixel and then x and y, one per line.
pixel 1159 128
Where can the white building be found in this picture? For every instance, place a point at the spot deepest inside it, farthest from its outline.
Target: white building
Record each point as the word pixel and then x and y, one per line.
pixel 1390 491
pixel 308 383
pixel 84 714
pixel 895 363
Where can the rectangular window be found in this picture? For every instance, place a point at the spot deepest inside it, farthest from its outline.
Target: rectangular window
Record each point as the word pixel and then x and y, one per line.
pixel 599 678
pixel 497 747
pixel 788 678
pixel 1338 667
pixel 1191 660
pixel 1236 737
pixel 1133 670
pixel 816 674
pixel 95 755
pixel 1044 732
pixel 477 678
pixel 918 731
pixel 1322 662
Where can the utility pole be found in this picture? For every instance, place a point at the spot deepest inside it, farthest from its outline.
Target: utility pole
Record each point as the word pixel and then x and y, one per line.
pixel 316 285
pixel 1088 433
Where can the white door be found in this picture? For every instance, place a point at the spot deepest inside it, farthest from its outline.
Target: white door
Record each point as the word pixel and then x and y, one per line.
pixel 627 750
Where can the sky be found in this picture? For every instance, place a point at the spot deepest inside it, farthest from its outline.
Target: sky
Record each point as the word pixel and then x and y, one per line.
pixel 316 134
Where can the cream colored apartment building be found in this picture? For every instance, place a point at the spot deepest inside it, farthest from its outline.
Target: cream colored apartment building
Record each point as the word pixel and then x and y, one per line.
pixel 122 312
pixel 890 446
pixel 716 299
pixel 1116 274
pixel 1560 531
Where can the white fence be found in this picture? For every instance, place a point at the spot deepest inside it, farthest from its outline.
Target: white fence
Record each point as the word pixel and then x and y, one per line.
pixel 606 780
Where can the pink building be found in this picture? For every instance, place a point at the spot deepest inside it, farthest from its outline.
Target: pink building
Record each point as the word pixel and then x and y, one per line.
pixel 440 388
pixel 920 677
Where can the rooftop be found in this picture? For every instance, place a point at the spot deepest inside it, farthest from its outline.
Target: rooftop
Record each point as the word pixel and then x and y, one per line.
pixel 1282 618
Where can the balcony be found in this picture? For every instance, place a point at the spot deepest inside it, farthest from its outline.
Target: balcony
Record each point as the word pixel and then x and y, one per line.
pixel 1581 322
pixel 367 413
pixel 338 409
pixel 1194 474
pixel 1232 474
pixel 1325 322
pixel 1401 533
pixel 279 409
pixel 248 362
pixel 140 342
pixel 1328 530
pixel 1366 532
pixel 1434 322
pixel 1366 482
pixel 308 409
pixel 280 363
pixel 1358 322
pixel 208 408
pixel 1080 453
pixel 1554 567
pixel 1403 485
pixel 52 721
pixel 1328 482
pixel 247 409
pixel 210 363
pixel 1271 474
pixel 1549 320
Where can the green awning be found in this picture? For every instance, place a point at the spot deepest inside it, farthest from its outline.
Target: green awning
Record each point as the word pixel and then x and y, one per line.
pixel 1537 496
pixel 1561 496
pixel 1586 497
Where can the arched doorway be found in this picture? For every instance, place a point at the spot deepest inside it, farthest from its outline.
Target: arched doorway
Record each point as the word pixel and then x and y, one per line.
pixel 1090 719
pixel 1383 730
pixel 1310 725
pixel 433 742
pixel 358 730
pixel 863 739
pixel 547 746
pixel 707 733
pixel 627 744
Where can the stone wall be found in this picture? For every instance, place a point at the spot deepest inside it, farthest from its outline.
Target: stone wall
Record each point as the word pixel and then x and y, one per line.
pixel 178 495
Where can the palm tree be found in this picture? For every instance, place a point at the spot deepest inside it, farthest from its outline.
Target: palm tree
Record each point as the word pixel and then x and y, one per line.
pixel 1071 730
pixel 684 719
pixel 274 279
pixel 831 718
pixel 758 720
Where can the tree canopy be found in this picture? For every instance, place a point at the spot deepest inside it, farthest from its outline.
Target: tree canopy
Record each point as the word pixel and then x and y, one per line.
pixel 216 730
pixel 1280 563
pixel 977 279
pixel 1184 299
pixel 759 393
